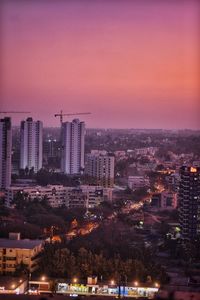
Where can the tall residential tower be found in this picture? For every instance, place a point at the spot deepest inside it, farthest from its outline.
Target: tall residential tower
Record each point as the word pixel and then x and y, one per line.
pixel 72 147
pixel 189 202
pixel 5 152
pixel 31 144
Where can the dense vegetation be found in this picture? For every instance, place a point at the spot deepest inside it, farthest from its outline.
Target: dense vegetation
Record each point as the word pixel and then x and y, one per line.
pixel 59 261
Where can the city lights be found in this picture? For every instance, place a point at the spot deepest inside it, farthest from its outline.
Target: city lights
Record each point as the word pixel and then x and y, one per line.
pixel 43 278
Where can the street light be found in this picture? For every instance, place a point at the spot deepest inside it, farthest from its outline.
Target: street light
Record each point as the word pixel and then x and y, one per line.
pixel 13 286
pixel 136 283
pixel 75 280
pixel 112 282
pixel 156 284
pixel 43 278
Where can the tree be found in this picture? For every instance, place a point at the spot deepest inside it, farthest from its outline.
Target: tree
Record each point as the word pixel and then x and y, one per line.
pixel 48 220
pixel 21 269
pixel 20 200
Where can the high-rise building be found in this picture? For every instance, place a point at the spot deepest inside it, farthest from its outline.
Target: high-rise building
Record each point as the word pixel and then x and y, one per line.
pixel 5 152
pixel 31 145
pixel 189 202
pixel 72 147
pixel 101 169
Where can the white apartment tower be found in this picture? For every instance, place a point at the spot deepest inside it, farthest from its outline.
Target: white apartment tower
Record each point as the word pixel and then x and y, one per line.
pixel 5 152
pixel 31 144
pixel 72 147
pixel 100 168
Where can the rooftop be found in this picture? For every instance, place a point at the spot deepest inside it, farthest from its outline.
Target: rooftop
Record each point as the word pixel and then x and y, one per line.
pixel 20 244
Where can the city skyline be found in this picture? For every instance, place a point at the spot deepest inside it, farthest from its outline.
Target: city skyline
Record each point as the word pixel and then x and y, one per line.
pixel 133 65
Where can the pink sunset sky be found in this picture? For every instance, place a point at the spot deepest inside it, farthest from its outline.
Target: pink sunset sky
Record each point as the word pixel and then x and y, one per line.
pixel 133 64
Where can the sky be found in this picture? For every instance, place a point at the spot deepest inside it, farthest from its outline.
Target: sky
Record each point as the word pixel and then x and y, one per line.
pixel 132 64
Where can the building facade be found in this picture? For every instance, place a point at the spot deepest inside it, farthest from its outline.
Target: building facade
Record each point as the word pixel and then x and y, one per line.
pixel 5 152
pixel 87 196
pixel 72 147
pixel 100 168
pixel 189 202
pixel 137 182
pixel 31 144
pixel 59 195
pixel 14 251
pixel 55 194
pixel 166 200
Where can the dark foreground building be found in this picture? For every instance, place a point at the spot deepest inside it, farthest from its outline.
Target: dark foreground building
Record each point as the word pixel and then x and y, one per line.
pixel 189 202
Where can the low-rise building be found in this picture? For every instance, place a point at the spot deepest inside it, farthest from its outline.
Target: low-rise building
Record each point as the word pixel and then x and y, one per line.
pixel 87 196
pixel 75 198
pixel 137 182
pixel 55 194
pixel 59 195
pixel 96 194
pixel 168 200
pixel 164 200
pixel 146 151
pixel 15 251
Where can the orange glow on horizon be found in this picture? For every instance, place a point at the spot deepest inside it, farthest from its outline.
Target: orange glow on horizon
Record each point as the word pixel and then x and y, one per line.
pixel 134 60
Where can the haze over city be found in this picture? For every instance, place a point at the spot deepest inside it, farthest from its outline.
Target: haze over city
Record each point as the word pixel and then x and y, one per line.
pixel 133 64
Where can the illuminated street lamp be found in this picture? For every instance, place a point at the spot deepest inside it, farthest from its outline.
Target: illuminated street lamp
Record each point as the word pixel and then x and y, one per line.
pixel 43 278
pixel 75 280
pixel 13 286
pixel 136 283
pixel 156 284
pixel 112 282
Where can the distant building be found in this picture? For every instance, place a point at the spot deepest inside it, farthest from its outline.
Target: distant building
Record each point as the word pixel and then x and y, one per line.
pixel 51 148
pixel 72 147
pixel 87 196
pixel 58 195
pixel 31 145
pixel 14 251
pixel 96 194
pixel 168 200
pixel 137 182
pixel 156 200
pixel 164 200
pixel 173 181
pixel 146 151
pixel 100 168
pixel 55 194
pixel 75 198
pixel 189 202
pixel 99 152
pixel 5 152
pixel 120 154
pixel 196 163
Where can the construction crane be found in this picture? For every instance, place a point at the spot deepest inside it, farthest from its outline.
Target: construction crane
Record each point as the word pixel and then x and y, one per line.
pixel 61 115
